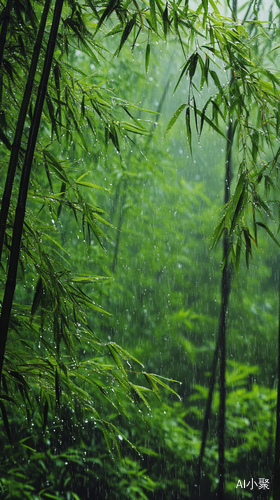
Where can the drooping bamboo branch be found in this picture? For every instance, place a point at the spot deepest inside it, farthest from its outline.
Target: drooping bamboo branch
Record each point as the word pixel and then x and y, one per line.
pixel 6 199
pixel 23 190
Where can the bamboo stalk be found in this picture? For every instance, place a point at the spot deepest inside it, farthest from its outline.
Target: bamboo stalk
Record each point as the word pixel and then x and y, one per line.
pixel 23 190
pixel 220 349
pixel 219 353
pixel 207 416
pixel 6 199
pixel 4 29
pixel 225 291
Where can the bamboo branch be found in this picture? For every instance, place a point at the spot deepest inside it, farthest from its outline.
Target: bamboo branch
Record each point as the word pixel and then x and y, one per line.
pixel 23 190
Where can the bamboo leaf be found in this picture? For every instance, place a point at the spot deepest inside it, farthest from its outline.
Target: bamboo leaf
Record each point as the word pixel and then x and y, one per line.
pixel 37 296
pixel 58 167
pixel 174 118
pixel 184 70
pixel 89 184
pixel 269 232
pixel 117 360
pixel 158 379
pixel 165 20
pixel 147 56
pixel 153 14
pixel 126 32
pixel 188 125
pixel 56 243
pixel 214 7
pixel 204 117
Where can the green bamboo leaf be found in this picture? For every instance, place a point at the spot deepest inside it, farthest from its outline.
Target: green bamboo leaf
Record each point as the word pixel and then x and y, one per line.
pixel 147 56
pixel 269 232
pixel 125 354
pixel 192 65
pixel 93 383
pixel 126 32
pixel 204 117
pixel 138 390
pixel 188 125
pixel 5 140
pixel 89 279
pixel 248 245
pixel 218 231
pixel 58 167
pixel 158 379
pixel 49 495
pixel 165 20
pixel 117 360
pixel 52 115
pixel 56 243
pixel 205 6
pixel 37 296
pixel 118 431
pixel 89 184
pixel 112 5
pixel 214 6
pixel 174 118
pixel 75 496
pixel 195 114
pixel 184 70
pixel 238 205
pixel 136 127
pixel 152 384
pixel 153 14
pixel 216 81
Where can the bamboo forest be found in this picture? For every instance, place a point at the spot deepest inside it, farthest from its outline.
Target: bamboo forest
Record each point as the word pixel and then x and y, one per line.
pixel 139 249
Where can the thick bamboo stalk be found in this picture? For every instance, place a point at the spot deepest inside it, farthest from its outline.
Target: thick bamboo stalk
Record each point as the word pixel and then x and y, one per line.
pixel 4 29
pixel 23 190
pixel 6 199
